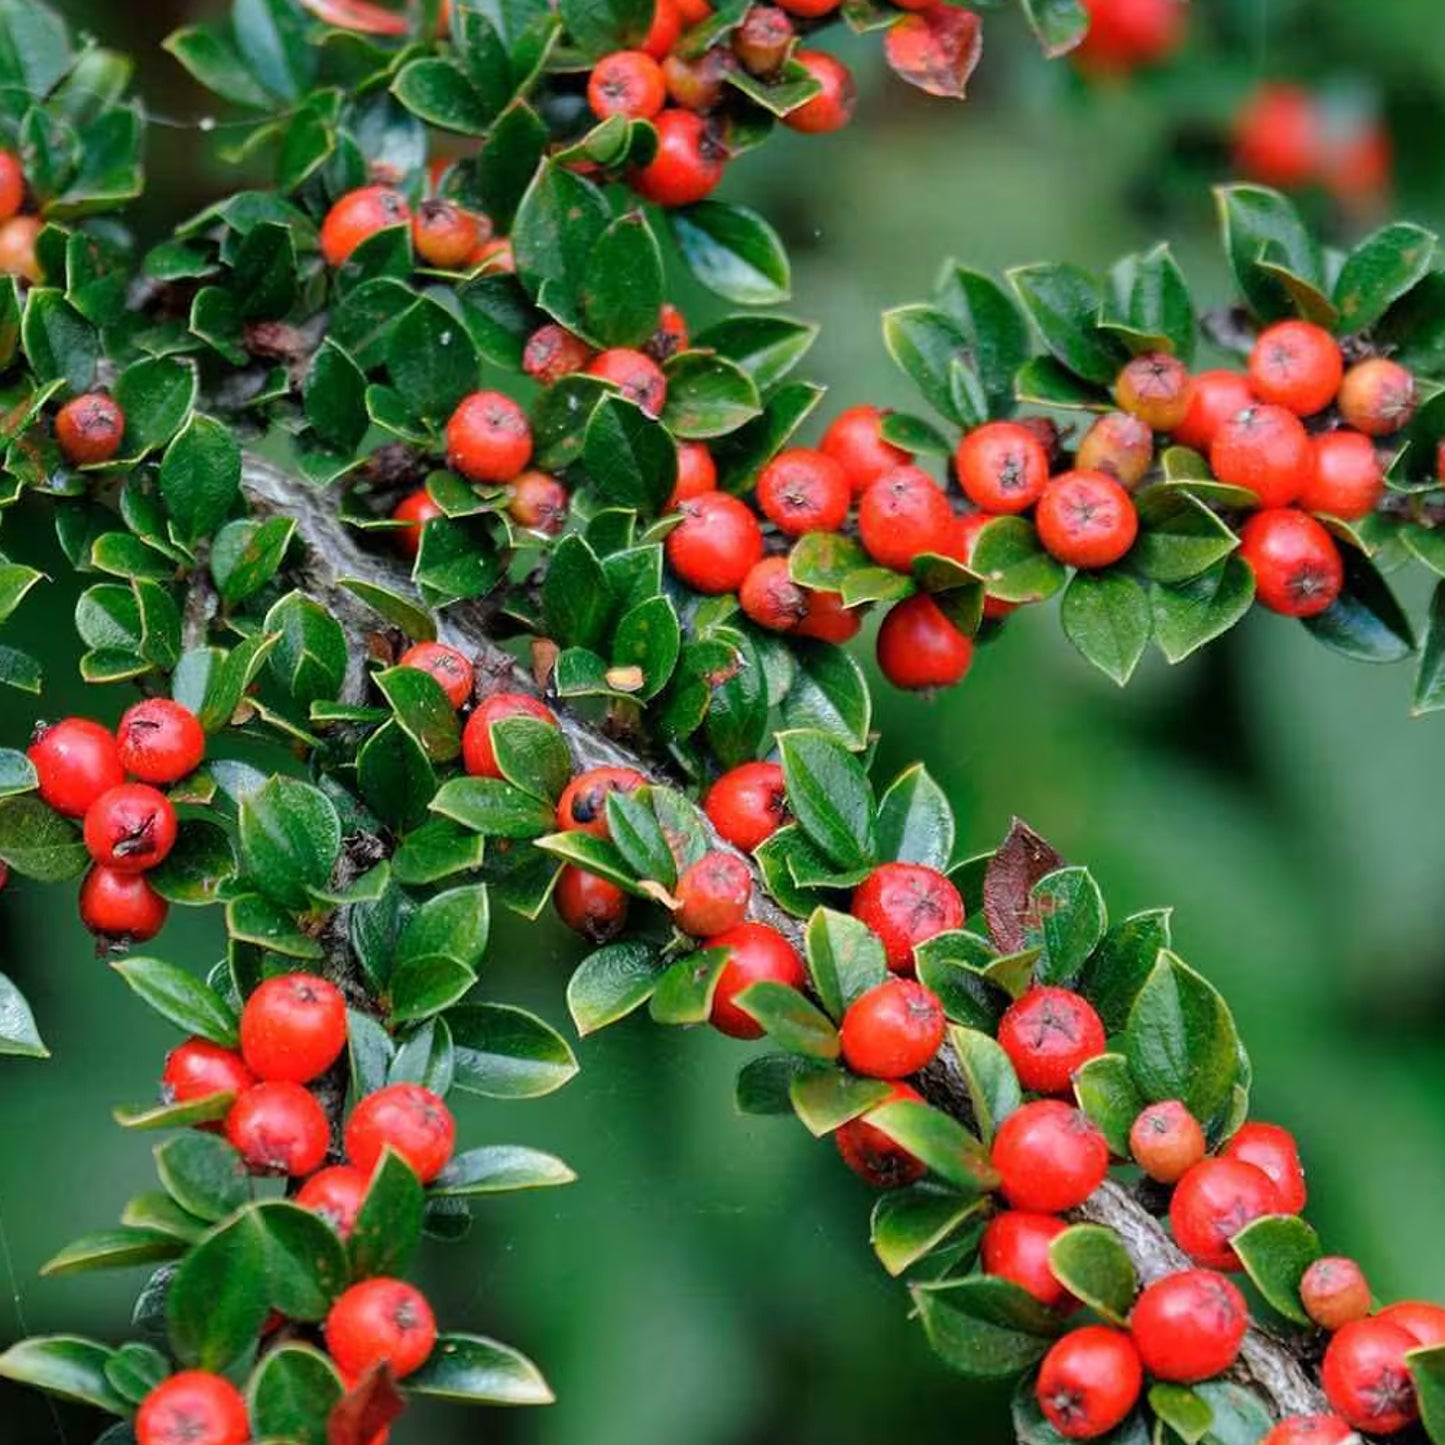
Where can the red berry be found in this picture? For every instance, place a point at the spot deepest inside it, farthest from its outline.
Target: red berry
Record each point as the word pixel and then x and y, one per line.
pixel 763 40
pixel 755 953
pixel 381 1320
pixel 1216 397
pixel 279 1128
pixel 293 1028
pixel 1347 480
pixel 446 236
pixel 1425 1321
pixel 121 906
pixel 1367 1379
pixel 1277 137
pixel 358 216
pixel 771 598
pixel 1266 450
pixel 1089 1382
pixel 1001 466
pixel 589 905
pixel 553 352
pixel 1378 396
pixel 1297 567
pixel 1155 388
pixel 408 1118
pixel 906 904
pixel 696 474
pixel 900 516
pixel 478 756
pixel 130 828
pixel 336 1194
pixel 827 619
pixel 699 83
pixel 713 895
pixel 1166 1141
pixel 160 741
pixel 1189 1326
pixel 75 762
pixel 854 440
pixel 627 82
pixel 893 1030
pixel 415 509
pixel 1213 1202
pixel 809 9
pixel 1015 1246
pixel 538 502
pixel 1049 1156
pixel 804 491
pixel 12 185
pixel 1311 1430
pixel 89 429
pixel 919 648
pixel 663 33
pixel 451 670
pixel 199 1069
pixel 1086 520
pixel 18 237
pixel 194 1407
pixel 1273 1150
pixel 1119 444
pixel 636 375
pixel 1296 365
pixel 748 804
pixel 489 438
pixel 1049 1035
pixel 583 804
pixel 689 161
pixel 873 1156
pixel 716 544
pixel 1335 1293
pixel 832 108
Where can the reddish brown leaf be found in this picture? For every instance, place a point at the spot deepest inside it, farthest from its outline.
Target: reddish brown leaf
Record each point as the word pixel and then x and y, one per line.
pixel 364 1412
pixel 936 49
pixel 1020 862
pixel 359 15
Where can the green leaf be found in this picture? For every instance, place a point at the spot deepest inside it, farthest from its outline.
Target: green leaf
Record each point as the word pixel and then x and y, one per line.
pixel 500 1169
pixel 1427 1366
pixel 454 923
pixel 622 291
pixel 630 458
pixel 38 843
pixel 766 347
pixel 559 223
pixel 684 993
pixel 423 709
pixel 1276 1251
pixel 996 335
pixel 507 1053
pixel 708 396
pixel 924 343
pixel 970 1329
pixel 845 959
pixel 59 342
pixel 1189 614
pixel 203 1174
pixel 915 821
pixel 66 1366
pixel 828 693
pixel 478 1371
pixel 494 808
pixel 1066 919
pixel 649 638
pixel 1122 963
pixel 1064 303
pixel 951 964
pixel 1179 537
pixel 1379 271
pixel 794 1024
pixel 15 582
pixel 292 1393
pixel 1366 622
pixel 395 777
pixel 388 1224
pixel 157 396
pixel 1091 1262
pixel 1059 25
pixel 826 1099
pixel 1106 616
pixel 1008 555
pixel 1260 225
pixel 1430 676
pixel 830 796
pixel 217 1299
pixel 1154 298
pixel 432 359
pixel 120 1248
pixel 19 1036
pixel 909 1224
pixel 993 1087
pixel 1180 1040
pixel 423 986
pixel 247 554
pixel 439 91
pixel 310 655
pixel 733 252
pixel 290 839
pixel 187 1002
pixel 1107 1093
pixel 941 1142
pixel 610 983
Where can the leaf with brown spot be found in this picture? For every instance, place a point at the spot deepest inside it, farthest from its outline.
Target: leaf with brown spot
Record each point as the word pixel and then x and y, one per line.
pixel 936 49
pixel 363 1413
pixel 1020 862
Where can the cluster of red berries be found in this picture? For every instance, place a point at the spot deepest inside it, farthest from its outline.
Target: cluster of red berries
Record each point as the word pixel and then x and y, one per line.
pixel 20 227
pixel 128 826
pixel 443 235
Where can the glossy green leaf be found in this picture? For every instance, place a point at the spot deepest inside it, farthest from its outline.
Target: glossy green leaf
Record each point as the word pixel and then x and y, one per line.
pixel 1091 1262
pixel 178 996
pixel 507 1053
pixel 733 252
pixel 1276 1251
pixel 476 1371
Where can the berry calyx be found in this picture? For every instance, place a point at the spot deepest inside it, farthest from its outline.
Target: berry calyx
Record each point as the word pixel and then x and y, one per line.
pixel 628 83
pixel 408 1118
pixel 1366 1376
pixel 1335 1292
pixel 194 1407
pixel 1049 1157
pixel 1297 567
pixel 1189 1326
pixel 689 162
pixel 893 1030
pixel 906 904
pixel 1089 1382
pixel 1348 478
pixel 639 378
pixel 1266 450
pixel 902 515
pixel 1166 1141
pixel 89 429
pixel 1212 1203
pixel 479 756
pixel 415 510
pixel 130 828
pixel 160 741
pixel 75 761
pixel 713 895
pixel 1274 1151
pixel 1049 1035
pixel 873 1156
pixel 293 1028
pixel 489 438
pixel 1086 520
pixel 122 907
pixel 832 107
pixel 1015 1246
pixel 1155 387
pixel 1215 398
pixel 803 491
pixel 446 236
pixel 755 953
pixel 716 544
pixel 771 598
pixel 748 804
pixel 1377 396
pixel 1002 467
pixel 381 1320
pixel 357 217
pixel 279 1128
pixel 1296 365
pixel 336 1194
pixel 199 1069
pixel 854 439
pixel 583 804
pixel 919 648
pixel 589 905
pixel 451 670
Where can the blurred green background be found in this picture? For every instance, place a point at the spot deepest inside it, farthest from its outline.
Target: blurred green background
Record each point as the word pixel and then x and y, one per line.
pixel 709 1277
